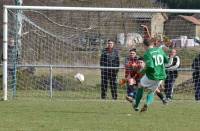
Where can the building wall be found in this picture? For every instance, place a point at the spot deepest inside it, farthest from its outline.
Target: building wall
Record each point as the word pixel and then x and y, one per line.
pixel 198 30
pixel 157 24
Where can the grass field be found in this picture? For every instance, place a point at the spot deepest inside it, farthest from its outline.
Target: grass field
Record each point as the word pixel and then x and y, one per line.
pixel 33 110
pixel 44 114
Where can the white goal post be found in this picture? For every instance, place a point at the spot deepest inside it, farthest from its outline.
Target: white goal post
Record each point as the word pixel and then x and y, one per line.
pixel 44 39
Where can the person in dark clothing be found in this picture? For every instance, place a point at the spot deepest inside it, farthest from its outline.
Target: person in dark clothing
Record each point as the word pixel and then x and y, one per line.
pixel 1 47
pixel 109 63
pixel 196 76
pixel 172 73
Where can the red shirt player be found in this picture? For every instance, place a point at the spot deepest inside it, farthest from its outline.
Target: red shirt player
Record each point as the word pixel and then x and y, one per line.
pixel 132 73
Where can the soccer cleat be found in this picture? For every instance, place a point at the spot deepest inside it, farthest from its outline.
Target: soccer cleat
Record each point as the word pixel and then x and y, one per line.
pixel 164 101
pixel 130 99
pixel 136 108
pixel 144 108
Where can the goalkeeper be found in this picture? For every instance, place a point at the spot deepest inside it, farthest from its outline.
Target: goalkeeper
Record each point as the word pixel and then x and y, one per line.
pixel 154 58
pixel 132 75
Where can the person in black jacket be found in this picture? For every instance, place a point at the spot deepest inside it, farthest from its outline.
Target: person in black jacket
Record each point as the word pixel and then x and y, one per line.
pixel 172 73
pixel 109 63
pixel 196 76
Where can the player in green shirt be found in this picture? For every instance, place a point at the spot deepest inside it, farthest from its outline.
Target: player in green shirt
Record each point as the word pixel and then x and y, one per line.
pixel 155 60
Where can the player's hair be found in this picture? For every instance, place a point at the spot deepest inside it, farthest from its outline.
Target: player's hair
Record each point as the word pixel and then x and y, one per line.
pixel 133 49
pixel 166 39
pixel 141 58
pixel 148 42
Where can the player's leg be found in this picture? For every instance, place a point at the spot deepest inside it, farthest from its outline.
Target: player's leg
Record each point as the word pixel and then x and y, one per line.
pixel 161 96
pixel 149 97
pixel 139 93
pixel 135 87
pixel 149 100
pixel 152 86
pixel 129 91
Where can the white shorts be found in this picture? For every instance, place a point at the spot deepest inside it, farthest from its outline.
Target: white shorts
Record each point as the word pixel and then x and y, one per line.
pixel 150 84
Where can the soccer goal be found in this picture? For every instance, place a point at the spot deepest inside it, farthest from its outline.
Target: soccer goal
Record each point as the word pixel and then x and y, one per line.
pixel 45 47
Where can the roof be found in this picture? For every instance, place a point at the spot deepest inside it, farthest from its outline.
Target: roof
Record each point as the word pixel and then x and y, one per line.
pixel 191 19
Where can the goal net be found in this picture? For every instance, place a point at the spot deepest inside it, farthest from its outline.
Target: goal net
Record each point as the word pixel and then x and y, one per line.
pixel 48 46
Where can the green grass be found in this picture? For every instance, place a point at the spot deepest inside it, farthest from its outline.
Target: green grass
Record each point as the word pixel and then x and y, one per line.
pixel 33 110
pixel 43 114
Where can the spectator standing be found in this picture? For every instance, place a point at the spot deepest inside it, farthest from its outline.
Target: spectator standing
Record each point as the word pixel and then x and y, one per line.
pixel 172 73
pixel 109 61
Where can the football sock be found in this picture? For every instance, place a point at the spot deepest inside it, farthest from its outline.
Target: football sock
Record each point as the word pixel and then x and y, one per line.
pixel 150 97
pixel 139 95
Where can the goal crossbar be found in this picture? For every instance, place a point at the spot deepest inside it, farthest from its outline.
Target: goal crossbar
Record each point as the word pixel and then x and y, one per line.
pixel 149 10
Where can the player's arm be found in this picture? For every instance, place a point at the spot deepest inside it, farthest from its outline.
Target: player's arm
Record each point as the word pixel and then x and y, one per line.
pixel 146 31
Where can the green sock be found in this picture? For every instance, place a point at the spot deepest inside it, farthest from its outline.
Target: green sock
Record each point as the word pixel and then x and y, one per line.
pixel 139 95
pixel 150 97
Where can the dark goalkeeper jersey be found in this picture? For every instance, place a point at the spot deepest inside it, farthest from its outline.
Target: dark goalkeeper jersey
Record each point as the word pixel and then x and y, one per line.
pixel 155 59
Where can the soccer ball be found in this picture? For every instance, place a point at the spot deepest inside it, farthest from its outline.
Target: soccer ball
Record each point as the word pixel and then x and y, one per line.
pixel 79 77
